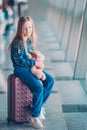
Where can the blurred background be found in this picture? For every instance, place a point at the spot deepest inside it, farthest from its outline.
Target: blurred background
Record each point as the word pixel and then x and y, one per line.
pixel 61 26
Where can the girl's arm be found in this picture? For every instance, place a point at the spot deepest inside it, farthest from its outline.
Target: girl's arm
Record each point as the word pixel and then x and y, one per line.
pixel 20 58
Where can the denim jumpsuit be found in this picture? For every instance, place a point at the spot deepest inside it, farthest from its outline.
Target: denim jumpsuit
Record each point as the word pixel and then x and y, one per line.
pixel 22 65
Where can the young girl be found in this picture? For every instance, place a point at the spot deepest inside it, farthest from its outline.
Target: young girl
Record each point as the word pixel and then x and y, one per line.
pixel 24 39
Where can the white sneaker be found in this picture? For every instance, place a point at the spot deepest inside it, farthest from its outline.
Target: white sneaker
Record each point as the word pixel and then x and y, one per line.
pixel 43 110
pixel 36 123
pixel 42 117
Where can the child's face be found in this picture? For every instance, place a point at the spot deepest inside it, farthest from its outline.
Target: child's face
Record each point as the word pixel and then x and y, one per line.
pixel 27 29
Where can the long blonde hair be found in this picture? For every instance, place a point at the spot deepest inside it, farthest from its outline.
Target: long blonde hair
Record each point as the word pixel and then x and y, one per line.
pixel 18 36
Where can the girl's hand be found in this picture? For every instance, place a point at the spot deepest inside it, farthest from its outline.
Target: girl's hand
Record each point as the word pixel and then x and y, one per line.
pixel 29 56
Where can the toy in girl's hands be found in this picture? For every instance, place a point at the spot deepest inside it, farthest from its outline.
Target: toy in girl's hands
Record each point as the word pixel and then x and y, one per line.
pixel 37 70
pixel 38 55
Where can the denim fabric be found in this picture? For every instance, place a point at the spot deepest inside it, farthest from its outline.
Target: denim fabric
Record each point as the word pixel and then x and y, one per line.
pixel 19 57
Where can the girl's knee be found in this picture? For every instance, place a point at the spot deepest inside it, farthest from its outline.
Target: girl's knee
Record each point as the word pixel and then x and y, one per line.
pixel 51 79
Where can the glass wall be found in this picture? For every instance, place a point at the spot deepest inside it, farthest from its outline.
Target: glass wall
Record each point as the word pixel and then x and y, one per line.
pixel 68 19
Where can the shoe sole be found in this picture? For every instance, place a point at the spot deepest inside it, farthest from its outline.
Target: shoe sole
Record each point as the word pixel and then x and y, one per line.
pixel 33 125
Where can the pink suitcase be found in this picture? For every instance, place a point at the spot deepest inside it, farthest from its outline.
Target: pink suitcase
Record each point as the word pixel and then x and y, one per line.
pixel 19 100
